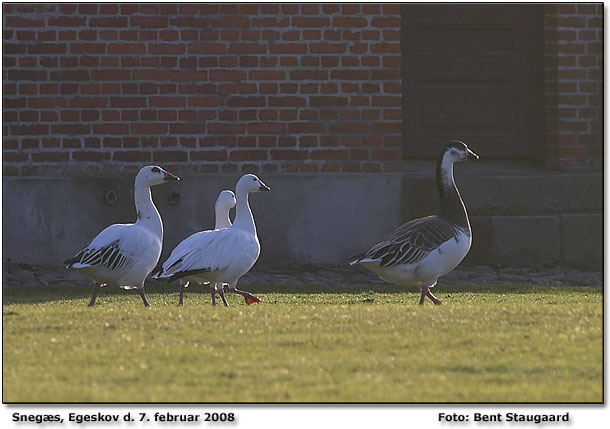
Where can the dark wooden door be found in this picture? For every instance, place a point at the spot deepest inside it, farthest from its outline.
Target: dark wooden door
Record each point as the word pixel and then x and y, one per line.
pixel 473 72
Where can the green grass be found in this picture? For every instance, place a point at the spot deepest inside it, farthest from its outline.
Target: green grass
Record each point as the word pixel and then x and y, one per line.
pixel 305 344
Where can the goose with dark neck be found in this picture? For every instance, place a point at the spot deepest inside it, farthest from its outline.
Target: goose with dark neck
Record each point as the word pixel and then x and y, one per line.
pixel 422 250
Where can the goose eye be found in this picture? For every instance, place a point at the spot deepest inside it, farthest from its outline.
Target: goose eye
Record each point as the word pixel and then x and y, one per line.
pixel 155 170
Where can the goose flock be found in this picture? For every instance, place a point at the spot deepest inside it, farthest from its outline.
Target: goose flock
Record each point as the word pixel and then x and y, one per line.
pixel 415 254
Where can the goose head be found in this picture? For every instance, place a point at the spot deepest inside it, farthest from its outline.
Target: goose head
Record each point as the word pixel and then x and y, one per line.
pixel 153 175
pixel 456 151
pixel 225 201
pixel 250 183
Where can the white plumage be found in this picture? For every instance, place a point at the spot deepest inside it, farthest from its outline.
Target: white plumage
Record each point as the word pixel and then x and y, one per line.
pixel 124 254
pixel 422 250
pixel 224 203
pixel 220 255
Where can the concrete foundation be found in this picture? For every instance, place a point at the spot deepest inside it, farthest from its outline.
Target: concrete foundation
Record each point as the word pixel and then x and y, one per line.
pixel 519 217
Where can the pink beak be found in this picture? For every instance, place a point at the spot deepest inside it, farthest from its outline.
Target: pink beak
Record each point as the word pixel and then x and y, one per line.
pixel 170 176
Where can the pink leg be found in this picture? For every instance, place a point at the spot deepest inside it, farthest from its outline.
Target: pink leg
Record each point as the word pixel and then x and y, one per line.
pixel 96 289
pixel 144 300
pixel 248 297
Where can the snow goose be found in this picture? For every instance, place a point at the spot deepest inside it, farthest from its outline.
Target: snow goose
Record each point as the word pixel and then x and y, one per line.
pixel 422 250
pixel 125 254
pixel 220 255
pixel 224 203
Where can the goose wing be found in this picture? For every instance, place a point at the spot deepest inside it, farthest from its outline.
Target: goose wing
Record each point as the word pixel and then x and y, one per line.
pixel 205 251
pixel 411 242
pixel 115 248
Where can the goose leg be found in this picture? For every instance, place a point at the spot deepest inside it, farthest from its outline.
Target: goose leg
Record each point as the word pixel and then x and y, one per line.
pixel 96 289
pixel 221 292
pixel 213 292
pixel 144 300
pixel 248 297
pixel 434 299
pixel 183 285
pixel 424 293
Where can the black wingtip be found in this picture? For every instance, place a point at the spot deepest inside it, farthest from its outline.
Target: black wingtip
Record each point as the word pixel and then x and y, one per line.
pixel 182 274
pixel 355 259
pixel 68 262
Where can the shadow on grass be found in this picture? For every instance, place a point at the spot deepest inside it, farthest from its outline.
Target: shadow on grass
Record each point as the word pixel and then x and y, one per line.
pixel 58 293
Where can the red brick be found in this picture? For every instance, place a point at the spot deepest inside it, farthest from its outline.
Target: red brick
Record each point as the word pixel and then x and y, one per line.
pixel 266 128
pixel 350 74
pixel 67 21
pixel 350 127
pixel 126 48
pixel 300 21
pixel 266 75
pixel 224 75
pixel 131 156
pixel 391 8
pixel 327 48
pixel 48 102
pixel 248 155
pixel 322 101
pixel 231 22
pixel 387 100
pixel 302 75
pixel 384 48
pixel 187 128
pixel 17 21
pixel 247 48
pixel 90 115
pixel 77 129
pixel 208 155
pixel 148 22
pixel 88 48
pixel 343 21
pixel 167 101
pixel 246 101
pixel 288 154
pixel 166 49
pixel 33 129
pixel 205 102
pixel 120 129
pixel 288 48
pixel 149 128
pixel 50 156
pixel 306 128
pixel 114 21
pixel 225 128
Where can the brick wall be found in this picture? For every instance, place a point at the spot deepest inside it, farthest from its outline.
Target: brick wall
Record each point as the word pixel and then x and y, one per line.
pixel 574 84
pixel 201 87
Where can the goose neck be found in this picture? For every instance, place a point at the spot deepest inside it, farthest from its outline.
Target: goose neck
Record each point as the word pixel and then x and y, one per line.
pixel 147 213
pixel 451 207
pixel 243 214
pixel 222 218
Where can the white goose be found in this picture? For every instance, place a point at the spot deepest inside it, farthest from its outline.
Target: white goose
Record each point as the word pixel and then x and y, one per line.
pixel 125 254
pixel 220 255
pixel 224 203
pixel 422 250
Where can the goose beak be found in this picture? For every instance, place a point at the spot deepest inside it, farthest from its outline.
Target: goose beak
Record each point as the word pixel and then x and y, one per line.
pixel 169 176
pixel 472 155
pixel 251 300
pixel 263 187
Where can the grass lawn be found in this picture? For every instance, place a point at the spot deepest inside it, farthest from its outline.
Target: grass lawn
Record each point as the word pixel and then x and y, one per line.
pixel 304 344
